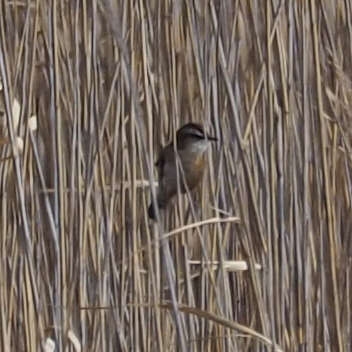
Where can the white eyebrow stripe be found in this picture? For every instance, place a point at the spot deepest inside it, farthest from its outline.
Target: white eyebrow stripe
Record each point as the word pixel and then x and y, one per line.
pixel 197 132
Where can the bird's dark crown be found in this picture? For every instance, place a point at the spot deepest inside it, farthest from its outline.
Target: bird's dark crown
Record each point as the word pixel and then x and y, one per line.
pixel 191 129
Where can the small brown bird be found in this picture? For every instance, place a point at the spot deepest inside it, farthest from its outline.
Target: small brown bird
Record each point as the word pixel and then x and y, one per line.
pixel 191 144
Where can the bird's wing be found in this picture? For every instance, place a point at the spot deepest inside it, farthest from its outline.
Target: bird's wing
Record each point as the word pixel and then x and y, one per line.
pixel 160 165
pixel 165 156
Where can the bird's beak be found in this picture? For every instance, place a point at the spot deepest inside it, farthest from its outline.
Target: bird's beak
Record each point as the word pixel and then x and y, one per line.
pixel 210 138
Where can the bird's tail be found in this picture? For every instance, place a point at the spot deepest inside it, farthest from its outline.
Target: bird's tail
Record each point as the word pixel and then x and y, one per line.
pixel 151 211
pixel 161 203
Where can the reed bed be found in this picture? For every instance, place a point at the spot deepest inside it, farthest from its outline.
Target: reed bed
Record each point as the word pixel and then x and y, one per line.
pixel 258 259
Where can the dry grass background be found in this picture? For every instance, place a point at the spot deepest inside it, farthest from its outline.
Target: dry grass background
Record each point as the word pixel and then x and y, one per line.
pixel 109 82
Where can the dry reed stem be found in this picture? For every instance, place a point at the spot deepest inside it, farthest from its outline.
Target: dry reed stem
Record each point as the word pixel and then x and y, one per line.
pixel 82 266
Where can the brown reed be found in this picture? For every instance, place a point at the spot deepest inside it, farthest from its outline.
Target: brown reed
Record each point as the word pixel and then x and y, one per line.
pixel 107 83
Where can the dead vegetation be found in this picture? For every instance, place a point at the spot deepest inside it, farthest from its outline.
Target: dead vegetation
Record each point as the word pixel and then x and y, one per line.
pixel 90 91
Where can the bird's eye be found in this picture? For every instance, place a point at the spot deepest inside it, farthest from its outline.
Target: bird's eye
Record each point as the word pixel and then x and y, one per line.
pixel 197 134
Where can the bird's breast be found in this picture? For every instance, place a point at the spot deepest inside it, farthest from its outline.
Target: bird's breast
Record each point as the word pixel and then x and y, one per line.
pixel 194 165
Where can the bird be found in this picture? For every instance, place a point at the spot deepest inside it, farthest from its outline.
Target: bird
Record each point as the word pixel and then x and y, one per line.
pixel 191 144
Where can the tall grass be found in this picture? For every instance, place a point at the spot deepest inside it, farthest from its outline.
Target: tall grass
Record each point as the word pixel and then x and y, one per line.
pixel 108 83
